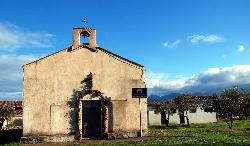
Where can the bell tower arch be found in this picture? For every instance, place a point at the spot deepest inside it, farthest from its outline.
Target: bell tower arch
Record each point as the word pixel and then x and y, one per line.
pixel 84 32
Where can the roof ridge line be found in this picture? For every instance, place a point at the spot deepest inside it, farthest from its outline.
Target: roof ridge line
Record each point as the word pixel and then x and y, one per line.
pixel 85 45
pixel 116 55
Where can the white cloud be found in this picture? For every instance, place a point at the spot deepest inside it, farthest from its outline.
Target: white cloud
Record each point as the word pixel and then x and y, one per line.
pixel 154 79
pixel 214 70
pixel 241 48
pixel 212 38
pixel 212 78
pixel 11 74
pixel 13 37
pixel 171 44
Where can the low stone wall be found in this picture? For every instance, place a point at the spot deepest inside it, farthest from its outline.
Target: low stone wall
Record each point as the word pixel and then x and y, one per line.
pixel 42 139
pixel 118 135
pixel 68 138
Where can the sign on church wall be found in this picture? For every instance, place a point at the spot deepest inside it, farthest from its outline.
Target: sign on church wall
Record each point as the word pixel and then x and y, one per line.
pixel 139 92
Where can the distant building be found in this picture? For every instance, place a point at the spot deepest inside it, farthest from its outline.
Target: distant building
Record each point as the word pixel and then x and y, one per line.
pixel 154 118
pixel 200 116
pixel 17 121
pixel 83 91
pixel 196 116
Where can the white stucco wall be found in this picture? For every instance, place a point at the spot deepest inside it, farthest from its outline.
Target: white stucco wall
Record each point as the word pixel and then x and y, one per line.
pixel 198 117
pixel 202 117
pixel 154 119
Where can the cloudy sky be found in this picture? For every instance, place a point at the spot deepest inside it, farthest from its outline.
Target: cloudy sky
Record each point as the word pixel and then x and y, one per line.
pixel 184 45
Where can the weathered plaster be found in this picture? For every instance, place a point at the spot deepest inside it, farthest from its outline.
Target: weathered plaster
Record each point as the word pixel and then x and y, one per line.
pixel 50 83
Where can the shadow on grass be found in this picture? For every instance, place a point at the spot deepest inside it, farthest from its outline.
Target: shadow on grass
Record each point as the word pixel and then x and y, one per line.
pixel 170 127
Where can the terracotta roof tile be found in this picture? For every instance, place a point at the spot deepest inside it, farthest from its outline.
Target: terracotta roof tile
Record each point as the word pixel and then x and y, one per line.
pixel 14 104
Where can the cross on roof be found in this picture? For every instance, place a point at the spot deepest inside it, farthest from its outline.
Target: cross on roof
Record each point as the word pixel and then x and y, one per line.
pixel 84 22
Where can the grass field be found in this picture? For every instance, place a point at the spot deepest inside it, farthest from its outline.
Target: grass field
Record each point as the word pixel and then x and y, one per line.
pixel 203 134
pixel 198 134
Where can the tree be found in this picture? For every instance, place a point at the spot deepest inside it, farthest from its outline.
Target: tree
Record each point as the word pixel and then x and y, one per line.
pixel 245 105
pixel 211 104
pixel 232 100
pixel 6 113
pixel 183 103
pixel 164 108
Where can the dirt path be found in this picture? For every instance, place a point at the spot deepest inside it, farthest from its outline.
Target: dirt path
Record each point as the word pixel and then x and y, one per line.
pixel 91 142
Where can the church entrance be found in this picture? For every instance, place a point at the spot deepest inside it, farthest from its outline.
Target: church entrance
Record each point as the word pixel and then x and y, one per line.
pixel 91 118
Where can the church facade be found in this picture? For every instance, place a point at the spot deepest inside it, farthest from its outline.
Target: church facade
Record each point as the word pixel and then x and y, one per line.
pixel 83 91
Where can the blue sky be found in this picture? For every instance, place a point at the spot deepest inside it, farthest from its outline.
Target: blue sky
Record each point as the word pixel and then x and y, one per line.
pixel 180 43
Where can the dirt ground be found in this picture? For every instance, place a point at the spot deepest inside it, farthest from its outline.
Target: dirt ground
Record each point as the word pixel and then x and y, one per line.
pixel 91 142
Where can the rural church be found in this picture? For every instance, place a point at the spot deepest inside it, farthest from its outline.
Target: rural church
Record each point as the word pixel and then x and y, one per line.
pixel 83 91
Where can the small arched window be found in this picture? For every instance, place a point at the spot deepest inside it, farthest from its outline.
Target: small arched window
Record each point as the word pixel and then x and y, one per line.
pixel 84 37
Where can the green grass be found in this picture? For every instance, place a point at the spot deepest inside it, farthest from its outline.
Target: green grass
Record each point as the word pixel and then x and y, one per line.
pixel 198 134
